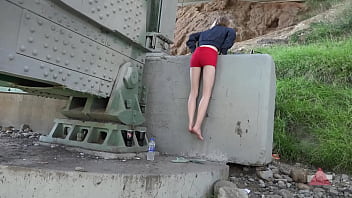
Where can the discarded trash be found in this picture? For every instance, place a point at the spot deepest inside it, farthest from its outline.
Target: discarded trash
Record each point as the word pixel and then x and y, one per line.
pixel 180 160
pixel 184 160
pixel 80 169
pixel 319 178
pixel 247 190
pixel 276 156
pixel 199 161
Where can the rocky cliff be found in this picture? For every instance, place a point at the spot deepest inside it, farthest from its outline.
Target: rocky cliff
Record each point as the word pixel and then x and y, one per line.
pixel 250 19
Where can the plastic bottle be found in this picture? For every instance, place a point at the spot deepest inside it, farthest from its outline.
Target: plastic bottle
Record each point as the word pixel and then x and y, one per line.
pixel 151 149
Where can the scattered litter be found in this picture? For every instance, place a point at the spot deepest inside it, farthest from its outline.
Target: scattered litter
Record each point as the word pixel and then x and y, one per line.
pixel 80 169
pixel 36 144
pixel 180 160
pixel 24 159
pixel 137 158
pixel 319 178
pixel 43 162
pixel 184 160
pixel 81 153
pixel 276 156
pixel 123 160
pixel 247 190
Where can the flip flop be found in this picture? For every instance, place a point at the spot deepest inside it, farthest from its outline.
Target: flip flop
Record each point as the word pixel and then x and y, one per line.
pixel 199 161
pixel 180 160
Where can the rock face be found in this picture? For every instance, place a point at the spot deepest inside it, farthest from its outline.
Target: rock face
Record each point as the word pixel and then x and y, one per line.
pixel 250 19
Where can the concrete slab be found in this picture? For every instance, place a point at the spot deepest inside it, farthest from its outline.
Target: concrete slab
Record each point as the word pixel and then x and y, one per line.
pixel 28 169
pixel 239 123
pixel 38 112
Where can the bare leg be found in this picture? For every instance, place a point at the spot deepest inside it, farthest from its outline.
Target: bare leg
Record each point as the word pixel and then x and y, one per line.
pixel 194 77
pixel 208 82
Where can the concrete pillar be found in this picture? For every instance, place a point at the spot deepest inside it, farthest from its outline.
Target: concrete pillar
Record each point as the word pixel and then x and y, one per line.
pixel 238 126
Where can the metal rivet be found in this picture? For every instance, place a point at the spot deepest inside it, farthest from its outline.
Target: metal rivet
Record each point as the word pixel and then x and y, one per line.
pixel 89 80
pixel 63 78
pixel 35 52
pixel 46 74
pixel 11 57
pixel 45 45
pixel 26 68
pixel 83 60
pixel 82 41
pixel 40 22
pixel 92 86
pixel 60 71
pixel 48 57
pixel 22 48
pixel 69 74
pixel 30 39
pixel 98 8
pixel 51 69
pixel 32 30
pixel 55 76
pixel 47 36
pixel 58 60
pixel 101 16
pixel 93 10
pixel 54 48
pixel 105 6
pixel 67 62
pixel 90 2
pixel 114 11
pixel 28 16
pixel 41 66
pixel 63 52
pixel 71 55
pixel 53 28
pixel 76 82
pixel 107 14
pixel 78 67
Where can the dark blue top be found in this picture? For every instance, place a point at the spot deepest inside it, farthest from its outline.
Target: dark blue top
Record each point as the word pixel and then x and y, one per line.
pixel 219 36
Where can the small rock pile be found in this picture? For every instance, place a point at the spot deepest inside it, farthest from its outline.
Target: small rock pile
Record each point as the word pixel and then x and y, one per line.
pixel 280 180
pixel 24 132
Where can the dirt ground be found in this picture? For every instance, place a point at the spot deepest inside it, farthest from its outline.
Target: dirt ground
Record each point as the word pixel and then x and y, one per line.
pixel 30 153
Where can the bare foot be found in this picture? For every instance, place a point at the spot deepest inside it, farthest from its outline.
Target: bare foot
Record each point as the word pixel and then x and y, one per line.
pixel 190 128
pixel 198 133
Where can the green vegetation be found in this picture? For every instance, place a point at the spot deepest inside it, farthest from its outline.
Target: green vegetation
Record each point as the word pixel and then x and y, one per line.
pixel 317 6
pixel 313 116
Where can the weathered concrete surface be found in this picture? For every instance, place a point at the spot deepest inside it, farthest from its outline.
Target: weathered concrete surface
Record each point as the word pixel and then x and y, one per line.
pixel 239 123
pixel 38 112
pixel 42 172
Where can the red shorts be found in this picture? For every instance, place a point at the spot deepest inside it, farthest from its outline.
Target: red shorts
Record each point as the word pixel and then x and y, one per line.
pixel 203 56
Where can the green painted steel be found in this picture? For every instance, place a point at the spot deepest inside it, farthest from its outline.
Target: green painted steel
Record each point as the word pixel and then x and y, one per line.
pixel 91 53
pixel 109 137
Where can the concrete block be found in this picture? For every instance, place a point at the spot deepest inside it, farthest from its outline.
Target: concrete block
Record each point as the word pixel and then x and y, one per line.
pixel 238 126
